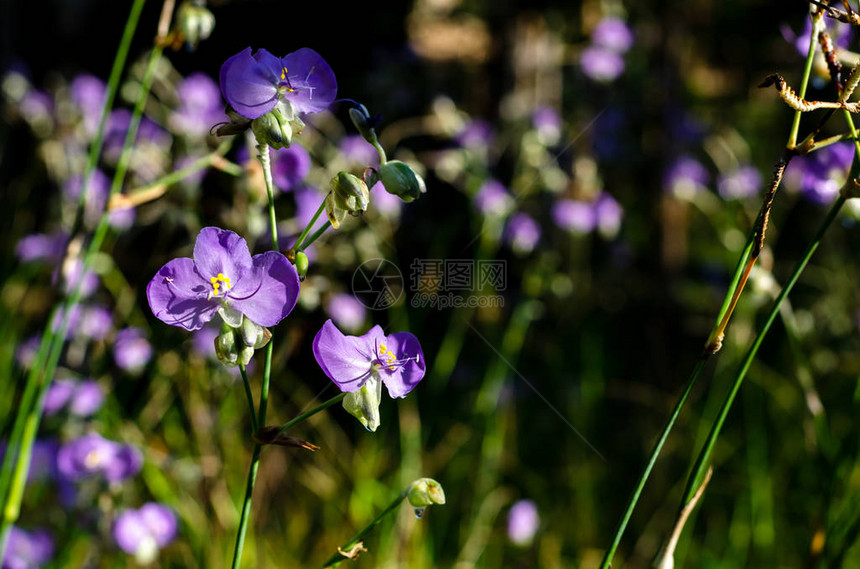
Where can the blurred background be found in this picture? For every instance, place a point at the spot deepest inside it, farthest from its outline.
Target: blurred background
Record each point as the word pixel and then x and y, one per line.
pixel 607 158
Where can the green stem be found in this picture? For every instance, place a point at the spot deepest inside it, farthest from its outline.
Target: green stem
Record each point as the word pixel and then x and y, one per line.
pixel 250 397
pixel 316 235
pixel 337 557
pixel 246 507
pixel 307 229
pixel 307 414
pixel 804 82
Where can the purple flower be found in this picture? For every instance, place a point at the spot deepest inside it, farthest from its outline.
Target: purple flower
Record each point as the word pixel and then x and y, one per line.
pixel 476 133
pixel 613 34
pixel 93 455
pixel 253 84
pixel 37 108
pixel 347 311
pixel 290 165
pixel 308 200
pixel 523 522
pixel 144 531
pixel 131 350
pixel 27 549
pixel 601 64
pixel 360 365
pixel 25 353
pixel 742 183
pixel 43 460
pixel 841 34
pixel 608 215
pixel 200 106
pixel 83 398
pixel 522 233
pixel 95 322
pixel 387 204
pixel 574 216
pixel 685 177
pixel 355 149
pixel 493 199
pixel 547 122
pixel 88 93
pixel 43 247
pixel 820 175
pixel 223 278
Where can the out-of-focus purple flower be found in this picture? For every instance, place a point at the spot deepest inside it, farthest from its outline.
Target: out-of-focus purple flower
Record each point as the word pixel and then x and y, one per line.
pixel 601 64
pixel 253 84
pixel 820 175
pixel 686 177
pixel 223 278
pixel 493 199
pixel 608 214
pixel 200 106
pixel 522 233
pixel 37 108
pixel 839 32
pixel 89 93
pixel 476 133
pixel 547 122
pixel 523 522
pixel 96 322
pixel 742 183
pixel 308 201
pixel 131 350
pixel 203 339
pixel 28 549
pixel 25 353
pixel 360 365
pixel 143 532
pixel 347 311
pixel 93 455
pixel 355 149
pixel 290 165
pixel 613 34
pixel 49 248
pixel 574 216
pixel 83 398
pixel 151 147
pixel 43 460
pixel 98 188
pixel 72 271
pixel 385 203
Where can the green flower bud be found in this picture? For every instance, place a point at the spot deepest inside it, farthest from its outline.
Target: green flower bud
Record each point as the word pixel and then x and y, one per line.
pixel 348 194
pixel 254 335
pixel 302 264
pixel 364 404
pixel 364 123
pixel 425 492
pixel 401 180
pixel 273 129
pixel 231 347
pixel 193 22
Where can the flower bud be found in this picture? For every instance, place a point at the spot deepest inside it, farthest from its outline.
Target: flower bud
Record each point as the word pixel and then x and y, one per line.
pixel 348 194
pixel 364 123
pixel 273 129
pixel 364 404
pixel 302 264
pixel 230 349
pixel 401 180
pixel 254 335
pixel 425 492
pixel 194 22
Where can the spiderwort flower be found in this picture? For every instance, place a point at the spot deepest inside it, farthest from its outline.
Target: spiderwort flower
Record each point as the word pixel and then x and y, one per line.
pixel 28 549
pixel 93 455
pixel 360 365
pixel 223 278
pixel 523 522
pixel 253 84
pixel 144 531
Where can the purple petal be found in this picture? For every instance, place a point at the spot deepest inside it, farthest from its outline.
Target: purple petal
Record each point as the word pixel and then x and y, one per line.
pixel 249 87
pixel 177 295
pixel 221 251
pixel 87 398
pixel 161 522
pixel 403 378
pixel 125 463
pixel 313 81
pixel 58 395
pixel 275 294
pixel 129 531
pixel 346 360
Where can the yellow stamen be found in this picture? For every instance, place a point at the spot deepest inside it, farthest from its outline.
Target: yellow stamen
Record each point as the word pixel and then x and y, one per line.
pixel 217 281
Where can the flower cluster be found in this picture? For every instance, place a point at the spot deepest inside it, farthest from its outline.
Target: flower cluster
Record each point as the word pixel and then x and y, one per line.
pixel 603 60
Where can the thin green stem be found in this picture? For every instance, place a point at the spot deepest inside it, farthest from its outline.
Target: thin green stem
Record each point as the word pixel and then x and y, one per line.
pixel 316 235
pixel 263 156
pixel 307 414
pixel 308 227
pixel 250 397
pixel 338 557
pixel 804 82
pixel 246 507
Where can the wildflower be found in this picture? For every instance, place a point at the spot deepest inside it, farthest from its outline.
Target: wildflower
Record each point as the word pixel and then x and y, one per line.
pixel 346 310
pixel 742 183
pixel 613 34
pixel 493 199
pixel 142 532
pixel 88 92
pixel 685 178
pixel 254 84
pixel 49 248
pixel 522 233
pixel 28 549
pixel 607 214
pixel 360 365
pixel 199 106
pixel 547 122
pixel 819 175
pixel 223 278
pixel 357 150
pixel 523 522
pixel 131 350
pixel 290 165
pixel 476 134
pixel 574 216
pixel 601 64
pixel 82 398
pixel 93 455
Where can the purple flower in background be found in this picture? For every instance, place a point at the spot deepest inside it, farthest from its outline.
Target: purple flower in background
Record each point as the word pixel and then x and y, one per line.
pixel 25 353
pixel 83 398
pixel 43 247
pixel 360 365
pixel 547 122
pixel 355 149
pixel 493 199
pixel 742 183
pixel 143 532
pixel 253 84
pixel 686 177
pixel 523 522
pixel 820 175
pixel 290 165
pixel 574 216
pixel 841 34
pixel 93 455
pixel 522 233
pixel 613 34
pixel 200 106
pixel 131 350
pixel 347 311
pixel 95 322
pixel 27 549
pixel 608 215
pixel 89 93
pixel 601 64
pixel 385 203
pixel 476 133
pixel 308 200
pixel 43 460
pixel 223 278
pixel 71 271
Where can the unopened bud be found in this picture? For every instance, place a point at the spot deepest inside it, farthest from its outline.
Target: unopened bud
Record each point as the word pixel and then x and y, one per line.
pixel 425 492
pixel 364 404
pixel 273 129
pixel 364 123
pixel 254 335
pixel 348 194
pixel 194 22
pixel 401 180
pixel 302 264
